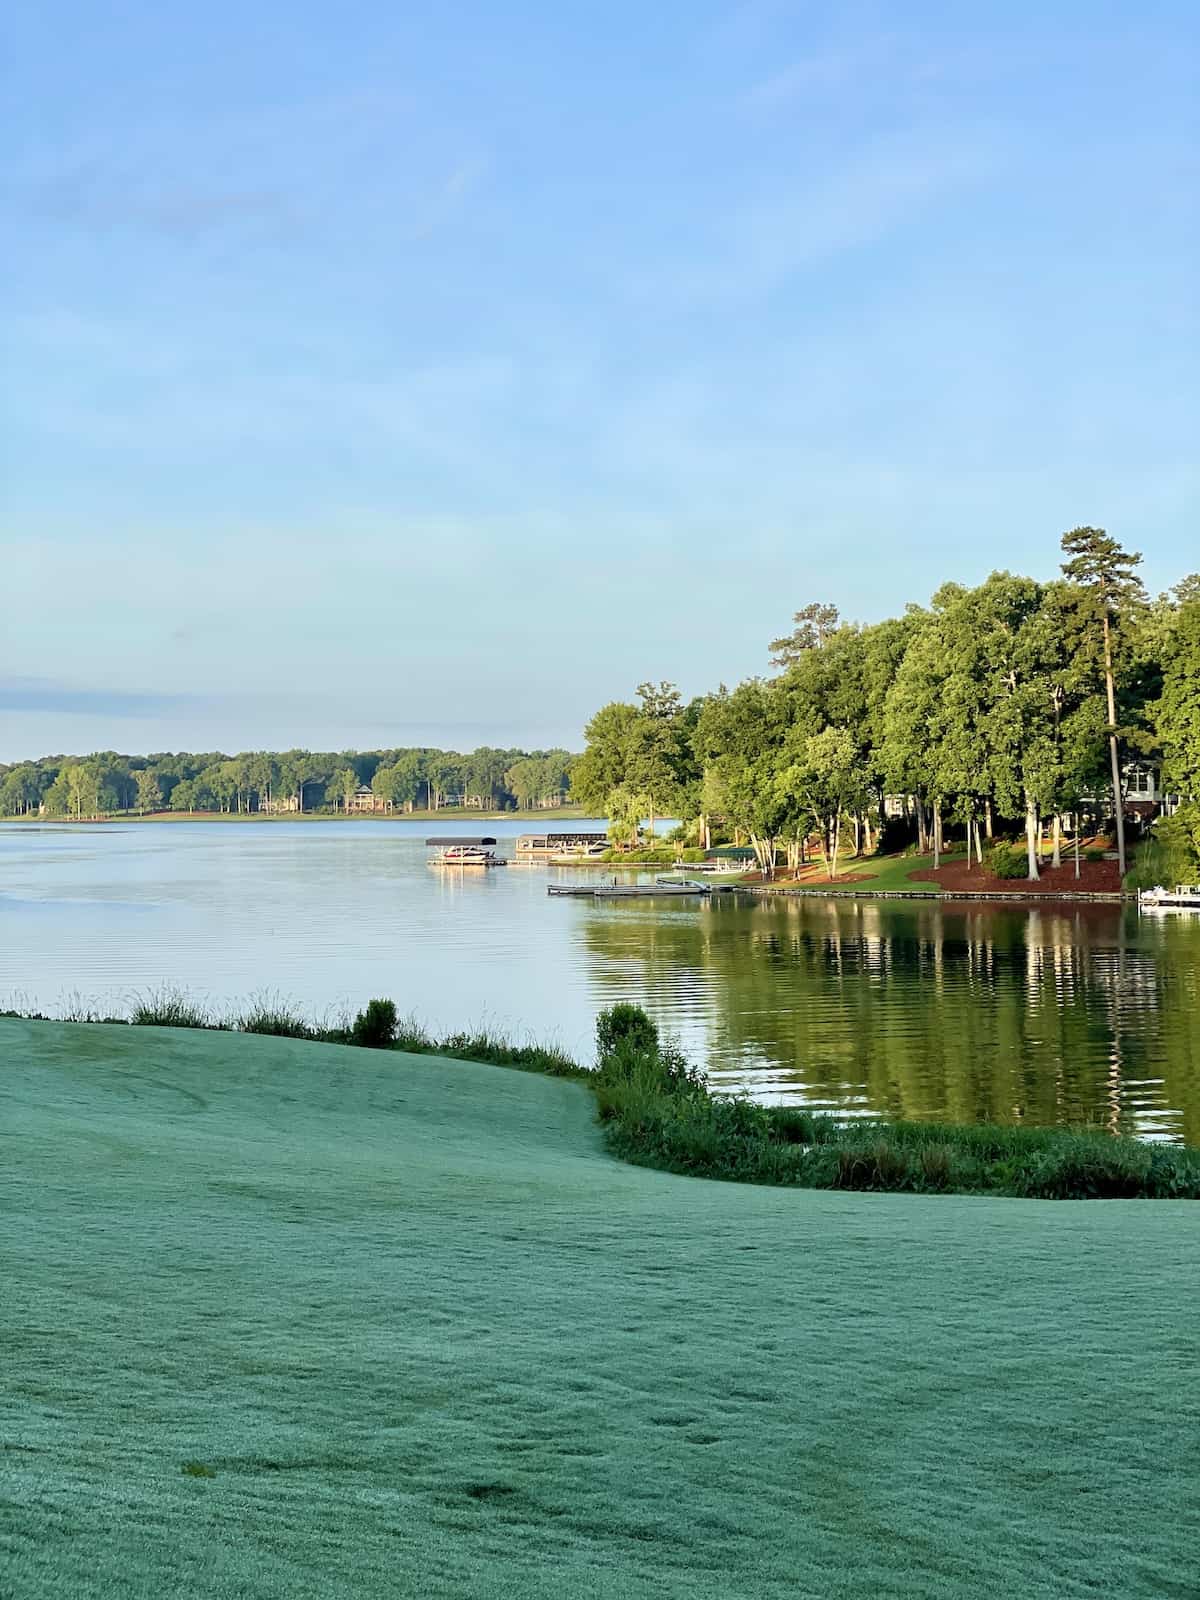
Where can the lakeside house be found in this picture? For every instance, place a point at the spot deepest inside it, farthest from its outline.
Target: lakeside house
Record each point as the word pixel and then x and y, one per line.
pixel 1145 797
pixel 364 798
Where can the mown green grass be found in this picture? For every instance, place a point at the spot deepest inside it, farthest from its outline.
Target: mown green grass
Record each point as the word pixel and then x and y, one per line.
pixel 288 1319
pixel 874 872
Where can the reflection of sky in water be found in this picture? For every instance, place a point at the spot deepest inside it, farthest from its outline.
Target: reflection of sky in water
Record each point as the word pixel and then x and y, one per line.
pixel 915 1008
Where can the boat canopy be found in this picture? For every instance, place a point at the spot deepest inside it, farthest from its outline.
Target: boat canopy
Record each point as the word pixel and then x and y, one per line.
pixel 444 839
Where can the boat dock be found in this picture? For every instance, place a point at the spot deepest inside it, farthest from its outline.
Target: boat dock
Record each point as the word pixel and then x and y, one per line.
pixel 454 850
pixel 663 889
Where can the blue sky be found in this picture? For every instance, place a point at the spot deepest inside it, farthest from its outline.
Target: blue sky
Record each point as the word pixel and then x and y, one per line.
pixel 379 374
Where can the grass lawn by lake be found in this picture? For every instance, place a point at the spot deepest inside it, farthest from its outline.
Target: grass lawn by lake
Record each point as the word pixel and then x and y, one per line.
pixel 415 1333
pixel 873 872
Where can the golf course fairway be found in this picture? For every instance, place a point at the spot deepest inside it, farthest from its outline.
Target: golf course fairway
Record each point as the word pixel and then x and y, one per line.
pixel 296 1320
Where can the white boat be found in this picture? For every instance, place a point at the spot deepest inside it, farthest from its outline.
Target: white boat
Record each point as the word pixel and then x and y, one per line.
pixel 1184 897
pixel 457 852
pixel 720 867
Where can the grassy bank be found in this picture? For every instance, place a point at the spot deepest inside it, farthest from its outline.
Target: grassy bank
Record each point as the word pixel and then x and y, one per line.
pixel 657 1112
pixel 293 1320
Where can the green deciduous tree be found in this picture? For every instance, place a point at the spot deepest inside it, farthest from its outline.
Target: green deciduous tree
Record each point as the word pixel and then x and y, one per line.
pixel 149 791
pixel 1177 713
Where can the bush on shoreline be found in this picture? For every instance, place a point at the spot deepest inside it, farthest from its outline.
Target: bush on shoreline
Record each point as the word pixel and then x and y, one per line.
pixel 656 1111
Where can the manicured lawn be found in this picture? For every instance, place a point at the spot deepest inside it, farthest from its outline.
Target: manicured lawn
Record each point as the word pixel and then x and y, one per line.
pixel 875 872
pixel 430 1340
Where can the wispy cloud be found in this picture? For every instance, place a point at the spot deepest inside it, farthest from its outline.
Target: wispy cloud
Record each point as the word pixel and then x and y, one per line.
pixel 824 72
pixel 46 696
pixel 89 197
pixel 447 196
pixel 792 224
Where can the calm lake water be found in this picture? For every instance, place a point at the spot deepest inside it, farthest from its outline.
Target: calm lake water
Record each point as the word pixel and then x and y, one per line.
pixel 914 1008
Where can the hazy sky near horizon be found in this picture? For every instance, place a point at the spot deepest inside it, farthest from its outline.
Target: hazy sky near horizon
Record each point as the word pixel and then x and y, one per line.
pixel 387 374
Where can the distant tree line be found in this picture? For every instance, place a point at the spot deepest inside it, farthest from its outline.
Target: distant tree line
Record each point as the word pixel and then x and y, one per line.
pixel 105 783
pixel 1003 708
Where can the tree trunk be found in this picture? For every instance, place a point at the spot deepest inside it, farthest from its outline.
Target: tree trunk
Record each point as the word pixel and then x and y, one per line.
pixel 1113 752
pixel 987 817
pixel 1078 831
pixel 1056 859
pixel 937 834
pixel 837 839
pixel 978 843
pixel 1031 836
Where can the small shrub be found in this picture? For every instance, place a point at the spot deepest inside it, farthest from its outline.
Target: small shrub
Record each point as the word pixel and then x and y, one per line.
pixel 791 1125
pixel 375 1027
pixel 677 1072
pixel 624 1024
pixel 1005 861
pixel 1093 855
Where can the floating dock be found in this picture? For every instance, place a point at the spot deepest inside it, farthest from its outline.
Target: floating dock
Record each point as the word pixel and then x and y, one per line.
pixel 637 891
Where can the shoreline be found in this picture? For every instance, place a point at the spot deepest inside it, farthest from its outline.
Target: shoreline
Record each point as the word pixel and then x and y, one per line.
pixel 453 813
pixel 1018 896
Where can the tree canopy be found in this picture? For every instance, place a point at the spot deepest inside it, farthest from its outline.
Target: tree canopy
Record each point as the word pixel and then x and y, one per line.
pixel 1009 704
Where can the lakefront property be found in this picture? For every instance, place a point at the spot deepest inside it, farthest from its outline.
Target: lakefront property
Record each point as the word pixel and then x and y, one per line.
pixel 600 803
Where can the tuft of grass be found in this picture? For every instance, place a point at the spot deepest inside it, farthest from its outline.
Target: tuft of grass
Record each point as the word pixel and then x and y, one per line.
pixel 270 1013
pixel 198 1469
pixel 413 1037
pixel 168 1007
pixel 75 1008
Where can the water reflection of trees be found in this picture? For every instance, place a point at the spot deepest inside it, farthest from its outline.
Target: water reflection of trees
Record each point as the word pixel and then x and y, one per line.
pixel 928 1010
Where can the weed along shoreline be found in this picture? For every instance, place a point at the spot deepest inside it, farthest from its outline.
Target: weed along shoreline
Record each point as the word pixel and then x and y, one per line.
pixel 656 1110
pixel 310 1320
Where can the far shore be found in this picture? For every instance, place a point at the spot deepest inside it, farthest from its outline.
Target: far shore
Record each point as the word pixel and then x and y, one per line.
pixel 445 814
pixel 900 877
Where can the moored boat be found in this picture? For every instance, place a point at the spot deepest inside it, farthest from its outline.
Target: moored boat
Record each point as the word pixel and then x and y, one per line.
pixel 1184 897
pixel 453 851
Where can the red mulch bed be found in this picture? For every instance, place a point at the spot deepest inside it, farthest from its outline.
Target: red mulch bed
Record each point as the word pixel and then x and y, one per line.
pixel 1095 877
